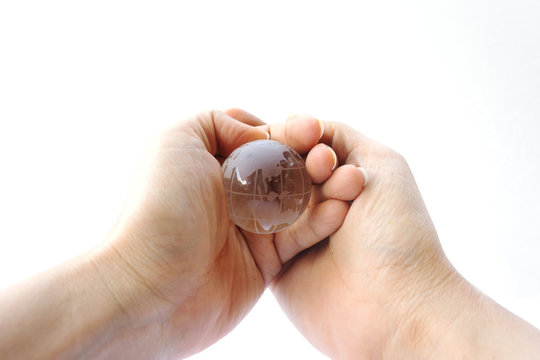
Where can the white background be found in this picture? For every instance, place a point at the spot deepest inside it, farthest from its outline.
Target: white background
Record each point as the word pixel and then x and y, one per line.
pixel 454 86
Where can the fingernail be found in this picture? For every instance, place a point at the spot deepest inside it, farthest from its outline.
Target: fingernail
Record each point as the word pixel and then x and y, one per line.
pixel 335 157
pixel 321 124
pixel 365 174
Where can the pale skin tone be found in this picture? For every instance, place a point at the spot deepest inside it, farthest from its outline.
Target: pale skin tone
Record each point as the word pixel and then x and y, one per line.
pixel 361 273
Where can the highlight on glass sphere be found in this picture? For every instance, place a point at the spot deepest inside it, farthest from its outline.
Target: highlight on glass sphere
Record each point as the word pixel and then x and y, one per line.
pixel 266 185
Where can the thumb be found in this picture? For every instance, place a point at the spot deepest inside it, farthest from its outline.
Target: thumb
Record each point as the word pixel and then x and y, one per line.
pixel 231 133
pixel 222 134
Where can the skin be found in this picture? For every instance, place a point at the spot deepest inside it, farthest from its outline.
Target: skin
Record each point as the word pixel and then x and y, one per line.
pixel 365 280
pixel 381 286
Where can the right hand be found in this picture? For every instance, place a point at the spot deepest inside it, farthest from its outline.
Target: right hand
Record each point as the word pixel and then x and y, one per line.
pixel 352 295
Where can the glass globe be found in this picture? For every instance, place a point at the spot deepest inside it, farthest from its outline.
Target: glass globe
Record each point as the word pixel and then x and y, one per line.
pixel 266 185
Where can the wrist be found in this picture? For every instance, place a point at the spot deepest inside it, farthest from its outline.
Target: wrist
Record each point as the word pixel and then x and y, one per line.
pixel 112 311
pixel 427 318
pixel 453 320
pixel 76 309
pixel 128 295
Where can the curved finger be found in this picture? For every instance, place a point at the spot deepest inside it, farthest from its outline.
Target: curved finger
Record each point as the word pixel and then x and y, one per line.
pixel 314 225
pixel 264 254
pixel 223 133
pixel 346 183
pixel 300 132
pixel 320 162
pixel 212 130
pixel 350 145
pixel 244 116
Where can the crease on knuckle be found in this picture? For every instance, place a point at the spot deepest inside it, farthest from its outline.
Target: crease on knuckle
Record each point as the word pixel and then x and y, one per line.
pixel 293 234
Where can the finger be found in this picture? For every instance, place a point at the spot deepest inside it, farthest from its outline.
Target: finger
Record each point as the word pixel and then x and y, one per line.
pixel 320 162
pixel 244 116
pixel 264 254
pixel 346 183
pixel 221 134
pixel 300 132
pixel 315 224
pixel 350 145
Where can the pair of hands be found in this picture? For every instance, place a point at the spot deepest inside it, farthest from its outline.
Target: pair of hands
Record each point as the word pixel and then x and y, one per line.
pixel 361 273
pixel 351 273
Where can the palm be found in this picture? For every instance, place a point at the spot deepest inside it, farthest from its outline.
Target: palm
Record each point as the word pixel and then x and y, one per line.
pixel 188 253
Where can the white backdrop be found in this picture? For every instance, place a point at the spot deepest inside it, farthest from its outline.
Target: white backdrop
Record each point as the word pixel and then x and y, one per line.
pixel 452 85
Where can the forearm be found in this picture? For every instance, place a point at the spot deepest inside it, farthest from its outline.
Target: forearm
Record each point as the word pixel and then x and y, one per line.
pixel 457 321
pixel 70 311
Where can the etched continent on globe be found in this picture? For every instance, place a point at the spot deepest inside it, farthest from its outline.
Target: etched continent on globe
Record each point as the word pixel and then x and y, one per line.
pixel 266 185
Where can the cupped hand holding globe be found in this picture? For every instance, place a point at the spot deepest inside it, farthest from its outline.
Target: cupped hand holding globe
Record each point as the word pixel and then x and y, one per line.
pixel 201 273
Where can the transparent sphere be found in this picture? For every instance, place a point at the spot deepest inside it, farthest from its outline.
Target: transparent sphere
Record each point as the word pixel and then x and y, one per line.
pixel 266 185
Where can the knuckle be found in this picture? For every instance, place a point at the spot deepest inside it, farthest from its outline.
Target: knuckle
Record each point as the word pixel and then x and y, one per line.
pixel 391 155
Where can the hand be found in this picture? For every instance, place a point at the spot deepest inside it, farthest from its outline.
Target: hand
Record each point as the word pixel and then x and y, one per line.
pixel 175 274
pixel 381 286
pixel 196 273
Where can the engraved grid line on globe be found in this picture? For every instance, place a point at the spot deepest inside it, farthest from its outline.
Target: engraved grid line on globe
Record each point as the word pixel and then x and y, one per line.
pixel 250 218
pixel 244 194
pixel 301 173
pixel 232 176
pixel 254 197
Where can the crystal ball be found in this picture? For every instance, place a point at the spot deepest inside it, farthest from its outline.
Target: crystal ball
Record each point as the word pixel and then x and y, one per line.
pixel 266 185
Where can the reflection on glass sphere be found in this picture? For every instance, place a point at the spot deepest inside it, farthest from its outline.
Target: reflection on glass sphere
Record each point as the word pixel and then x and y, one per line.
pixel 266 185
